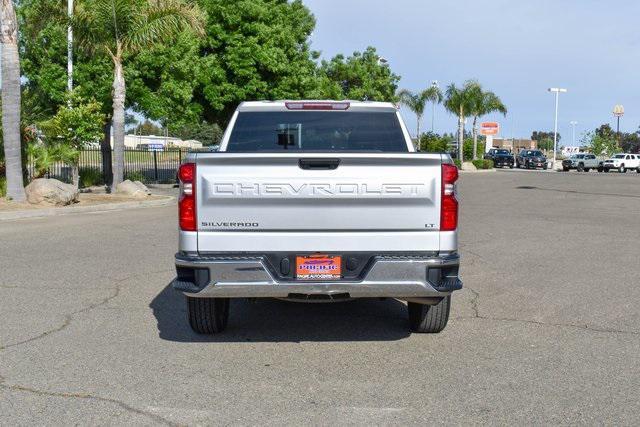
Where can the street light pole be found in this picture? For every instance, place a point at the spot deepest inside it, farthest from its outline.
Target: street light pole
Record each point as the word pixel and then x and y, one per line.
pixel 557 91
pixel 69 48
pixel 573 124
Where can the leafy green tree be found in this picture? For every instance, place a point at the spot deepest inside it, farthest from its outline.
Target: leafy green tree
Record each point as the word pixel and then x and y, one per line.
pixel 207 134
pixel 605 131
pixel 416 102
pixel 77 124
pixel 459 102
pixel 545 144
pixel 11 103
pixel 118 28
pixel 542 135
pixel 361 76
pixel 43 45
pixel 253 50
pixel 434 143
pixel 148 128
pixel 602 143
pixel 163 82
pixel 630 142
pixel 482 103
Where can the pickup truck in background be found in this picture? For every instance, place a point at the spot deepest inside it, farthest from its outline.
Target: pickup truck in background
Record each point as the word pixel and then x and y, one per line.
pixel 582 162
pixel 317 201
pixel 622 162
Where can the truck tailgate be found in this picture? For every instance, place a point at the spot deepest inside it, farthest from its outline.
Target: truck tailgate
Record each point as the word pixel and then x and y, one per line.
pixel 318 192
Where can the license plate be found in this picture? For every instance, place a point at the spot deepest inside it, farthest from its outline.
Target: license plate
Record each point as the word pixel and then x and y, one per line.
pixel 318 267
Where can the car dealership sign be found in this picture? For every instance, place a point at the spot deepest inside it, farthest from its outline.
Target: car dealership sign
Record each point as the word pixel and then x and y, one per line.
pixel 489 128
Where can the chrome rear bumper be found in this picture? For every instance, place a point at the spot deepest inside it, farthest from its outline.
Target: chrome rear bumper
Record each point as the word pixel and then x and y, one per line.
pixel 250 276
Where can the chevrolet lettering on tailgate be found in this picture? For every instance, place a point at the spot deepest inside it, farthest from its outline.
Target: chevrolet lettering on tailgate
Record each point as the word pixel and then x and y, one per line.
pixel 266 189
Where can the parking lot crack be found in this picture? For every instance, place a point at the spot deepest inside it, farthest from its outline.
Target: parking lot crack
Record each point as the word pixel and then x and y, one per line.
pixel 562 325
pixel 476 315
pixel 68 318
pixel 67 395
pixel 474 301
pixel 556 325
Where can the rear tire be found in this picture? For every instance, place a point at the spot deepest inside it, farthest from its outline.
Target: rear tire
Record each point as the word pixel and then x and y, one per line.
pixel 586 169
pixel 208 315
pixel 429 319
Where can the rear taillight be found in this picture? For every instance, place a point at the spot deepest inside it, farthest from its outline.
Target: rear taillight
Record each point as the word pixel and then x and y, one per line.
pixel 187 201
pixel 449 203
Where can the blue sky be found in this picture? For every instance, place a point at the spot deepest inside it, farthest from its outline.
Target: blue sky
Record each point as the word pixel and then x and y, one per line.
pixel 515 48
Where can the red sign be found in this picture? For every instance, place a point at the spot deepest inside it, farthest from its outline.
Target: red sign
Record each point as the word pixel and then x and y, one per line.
pixel 489 128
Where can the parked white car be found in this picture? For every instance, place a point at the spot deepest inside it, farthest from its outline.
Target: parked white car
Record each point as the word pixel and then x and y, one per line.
pixel 622 162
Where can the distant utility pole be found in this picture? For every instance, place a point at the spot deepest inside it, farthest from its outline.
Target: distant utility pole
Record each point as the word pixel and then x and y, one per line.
pixel 434 84
pixel 557 91
pixel 69 47
pixel 573 124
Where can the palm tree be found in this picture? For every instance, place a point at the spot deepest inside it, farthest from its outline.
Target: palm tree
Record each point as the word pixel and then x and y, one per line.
pixel 458 102
pixel 483 103
pixel 416 103
pixel 120 28
pixel 11 101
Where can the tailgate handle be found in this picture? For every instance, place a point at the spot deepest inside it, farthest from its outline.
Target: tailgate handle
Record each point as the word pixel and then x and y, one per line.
pixel 316 164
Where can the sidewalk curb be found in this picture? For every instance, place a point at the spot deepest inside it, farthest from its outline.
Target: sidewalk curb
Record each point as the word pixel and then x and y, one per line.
pixel 70 210
pixel 477 171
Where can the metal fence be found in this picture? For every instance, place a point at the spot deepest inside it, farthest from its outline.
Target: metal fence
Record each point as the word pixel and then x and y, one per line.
pixel 139 165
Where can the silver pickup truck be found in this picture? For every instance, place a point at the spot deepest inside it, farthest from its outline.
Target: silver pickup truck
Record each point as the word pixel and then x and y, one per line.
pixel 317 201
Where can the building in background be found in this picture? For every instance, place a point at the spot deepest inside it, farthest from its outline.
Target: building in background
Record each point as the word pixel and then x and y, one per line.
pixel 567 151
pixel 160 143
pixel 515 144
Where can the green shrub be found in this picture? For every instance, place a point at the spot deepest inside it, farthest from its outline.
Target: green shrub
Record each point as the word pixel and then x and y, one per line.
pixel 136 176
pixel 3 186
pixel 90 177
pixel 433 143
pixel 467 150
pixel 479 164
pixel 483 164
pixel 457 163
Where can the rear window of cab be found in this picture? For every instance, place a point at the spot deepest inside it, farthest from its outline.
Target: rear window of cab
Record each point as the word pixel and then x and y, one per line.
pixel 277 131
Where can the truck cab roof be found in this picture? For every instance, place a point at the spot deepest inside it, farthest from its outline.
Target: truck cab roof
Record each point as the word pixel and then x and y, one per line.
pixel 316 104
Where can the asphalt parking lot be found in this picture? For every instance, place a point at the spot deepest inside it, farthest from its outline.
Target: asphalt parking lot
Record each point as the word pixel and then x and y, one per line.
pixel 546 330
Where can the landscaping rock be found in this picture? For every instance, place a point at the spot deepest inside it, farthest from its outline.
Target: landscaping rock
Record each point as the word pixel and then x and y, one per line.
pixel 468 166
pixel 51 191
pixel 133 188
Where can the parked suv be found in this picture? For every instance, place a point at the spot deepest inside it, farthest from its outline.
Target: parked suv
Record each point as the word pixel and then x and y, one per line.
pixel 500 157
pixel 531 159
pixel 582 162
pixel 623 162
